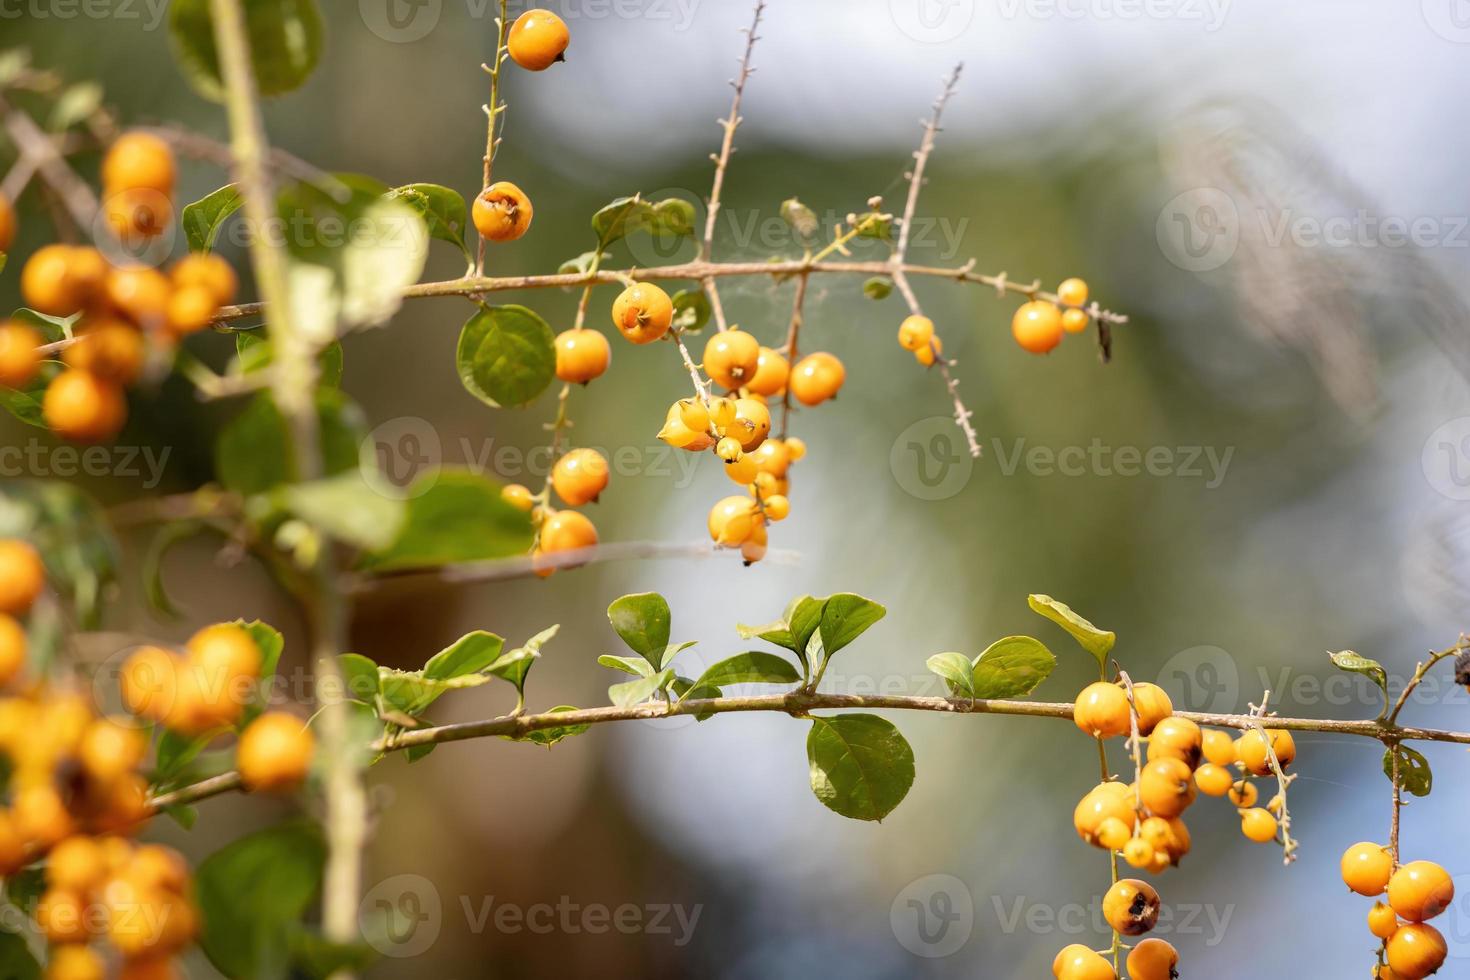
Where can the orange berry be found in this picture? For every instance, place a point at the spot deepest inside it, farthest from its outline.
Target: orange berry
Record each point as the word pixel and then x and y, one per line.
pixel 915 332
pixel 1153 959
pixel 109 750
pixel 75 961
pixel 579 476
pixel 40 815
pixel 22 576
pixel 76 864
pixel 643 313
pixel 1037 326
pixel 190 309
pixel 537 40
pixel 139 160
pixel 1213 780
pixel 1416 951
pixel 567 530
pixel 681 436
pixel 141 293
pixel 49 284
pixel 1420 890
pixel 149 682
pixel 1243 793
pixel 930 352
pixel 1103 802
pixel 1131 907
pixel 1102 710
pixel 1075 321
pixel 742 469
pixel 109 349
pixel 83 407
pixel 1077 962
pixel 581 355
pixel 1218 747
pixel 275 752
pixel 1166 787
pixel 1139 853
pixel 732 521
pixel 137 214
pixel 1072 292
pixel 225 652
pixel 7 224
pixel 774 457
pixel 502 212
pixel 20 359
pixel 210 271
pixel 1153 706
pixel 13 855
pixel 1176 738
pixel 816 378
pixel 153 866
pixel 1383 922
pixel 771 372
pixel 753 549
pixel 517 496
pixel 1366 868
pixel 1251 749
pixel 12 648
pixel 777 507
pixel 731 358
pixel 1258 825
pixel 751 425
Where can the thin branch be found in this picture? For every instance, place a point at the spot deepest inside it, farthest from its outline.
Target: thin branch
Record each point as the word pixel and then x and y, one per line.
pixel 40 148
pixel 1283 781
pixel 1422 670
pixel 793 332
pixel 200 147
pixel 492 116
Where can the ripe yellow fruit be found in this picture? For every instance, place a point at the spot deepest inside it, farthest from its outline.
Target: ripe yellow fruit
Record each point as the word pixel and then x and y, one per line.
pixel 1176 738
pixel 502 212
pixel 149 968
pixel 1104 801
pixel 915 332
pixel 1213 780
pixel 7 223
pixel 1219 747
pixel 1152 704
pixel 693 413
pixel 581 355
pixel 20 360
pixel 1075 321
pixel 225 653
pixel 1258 825
pixel 728 449
pixel 1077 962
pixel 816 378
pixel 109 750
pixel 76 864
pixel 771 372
pixel 205 700
pixel 83 407
pixel 1243 793
pixel 643 313
pixel 1072 292
pixel 137 214
pixel 75 961
pixel 1139 853
pixel 1102 710
pixel 1366 868
pixel 1037 326
pixel 1420 890
pixel 141 293
pixel 537 40
pixel 1383 922
pixel 209 271
pixel 153 866
pixel 518 496
pixel 149 682
pixel 732 520
pixel 40 815
pixel 567 530
pixel 139 160
pixel 753 548
pixel 1416 951
pixel 751 425
pixel 1251 749
pixel 1166 787
pixel 681 436
pixel 579 476
pixel 1153 959
pixel 49 284
pixel 275 752
pixel 731 358
pixel 1131 907
pixel 190 309
pixel 774 457
pixel 742 469
pixel 796 447
pixel 108 348
pixel 22 576
pixel 930 352
pixel 776 507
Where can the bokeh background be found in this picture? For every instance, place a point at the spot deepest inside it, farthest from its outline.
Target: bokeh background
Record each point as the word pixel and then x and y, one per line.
pixel 1273 192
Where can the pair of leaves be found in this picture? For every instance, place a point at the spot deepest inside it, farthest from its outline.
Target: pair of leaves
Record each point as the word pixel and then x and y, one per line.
pixel 1011 667
pixel 814 629
pixel 643 620
pixel 670 217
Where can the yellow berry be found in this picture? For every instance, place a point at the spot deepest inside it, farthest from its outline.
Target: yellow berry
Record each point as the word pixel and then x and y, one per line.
pixel 1077 962
pixel 1072 292
pixel 1258 825
pixel 1416 950
pixel 643 313
pixel 1153 959
pixel 1383 922
pixel 771 372
pixel 1131 907
pixel 816 378
pixel 731 358
pixel 275 752
pixel 83 407
pixel 1075 321
pixel 1366 868
pixel 537 40
pixel 930 352
pixel 139 160
pixel 1102 710
pixel 732 520
pixel 1037 326
pixel 915 332
pixel 518 496
pixel 20 360
pixel 581 355
pixel 209 271
pixel 502 212
pixel 1420 890
pixel 580 476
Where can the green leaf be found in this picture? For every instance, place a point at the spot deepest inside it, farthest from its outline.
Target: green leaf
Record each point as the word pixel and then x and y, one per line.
pixel 358 281
pixel 175 753
pixel 691 310
pixel 253 352
pixel 802 219
pixel 203 219
pixel 753 667
pixel 672 216
pixel 877 288
pixel 285 44
pixel 470 654
pixel 359 676
pixel 636 666
pixel 845 617
pixel 777 633
pixel 581 265
pixel 550 736
pixel 1355 663
pixel 16 961
pixel 506 356
pixel 252 895
pixel 1012 667
pixel 1415 775
pixel 347 507
pixel 620 218
pixel 957 672
pixel 515 665
pixel 861 766
pixel 803 618
pixel 253 452
pixel 443 210
pixel 410 693
pixel 75 104
pixel 630 693
pixel 318 957
pixel 182 814
pixel 271 644
pixel 1095 641
pixel 460 517
pixel 642 620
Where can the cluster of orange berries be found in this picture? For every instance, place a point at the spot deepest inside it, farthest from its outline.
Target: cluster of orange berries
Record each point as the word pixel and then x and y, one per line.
pixel 117 307
pixel 206 689
pixel 1039 325
pixel 578 477
pixel 1415 893
pixel 1132 908
pixel 75 790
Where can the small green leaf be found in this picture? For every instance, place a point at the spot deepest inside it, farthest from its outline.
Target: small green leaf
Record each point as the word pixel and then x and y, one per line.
pixel 672 216
pixel 1012 667
pixel 877 288
pixel 1355 663
pixel 460 517
pixel 581 265
pixel 75 104
pixel 410 693
pixel 776 633
pixel 252 895
pixel 749 668
pixel 443 210
pixel 1415 775
pixel 845 617
pixel 203 219
pixel 359 676
pixel 16 960
pixel 803 618
pixel 285 44
pixel 470 654
pixel 252 454
pixel 550 736
pixel 957 672
pixel 1095 641
pixel 642 620
pixel 175 752
pixel 636 666
pixel 861 766
pixel 319 958
pixel 348 508
pixel 506 356
pixel 620 218
pixel 691 310
pixel 631 693
pixel 515 665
